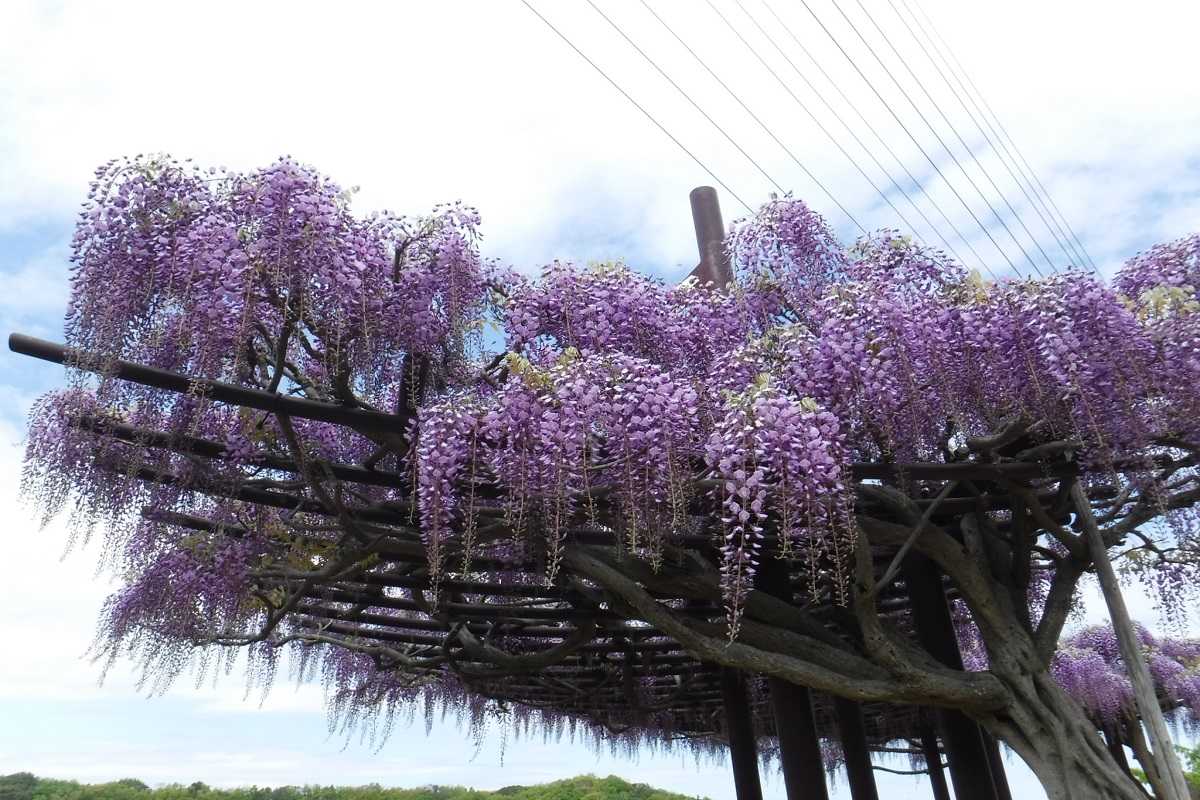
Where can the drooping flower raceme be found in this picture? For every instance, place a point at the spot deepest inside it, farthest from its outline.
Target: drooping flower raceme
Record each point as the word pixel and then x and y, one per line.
pixel 1089 666
pixel 780 458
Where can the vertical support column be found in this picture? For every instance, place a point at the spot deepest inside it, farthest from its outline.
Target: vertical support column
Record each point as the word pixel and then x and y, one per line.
pixel 996 761
pixel 854 746
pixel 1113 739
pixel 791 705
pixel 743 749
pixel 933 761
pixel 799 747
pixel 970 767
pixel 739 727
pixel 1131 652
pixel 710 237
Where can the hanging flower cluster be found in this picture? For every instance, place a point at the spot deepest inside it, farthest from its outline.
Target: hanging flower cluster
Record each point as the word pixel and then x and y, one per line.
pixel 441 461
pixel 1163 267
pixel 195 270
pixel 778 458
pixel 1162 288
pixel 790 248
pixel 1090 668
pixel 553 436
pixel 611 308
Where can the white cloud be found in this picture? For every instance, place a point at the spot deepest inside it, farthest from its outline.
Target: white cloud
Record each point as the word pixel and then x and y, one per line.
pixel 33 298
pixel 38 287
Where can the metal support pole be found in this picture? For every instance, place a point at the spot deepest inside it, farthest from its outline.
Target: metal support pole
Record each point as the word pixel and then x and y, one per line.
pixel 743 751
pixel 933 761
pixel 1131 652
pixel 853 734
pixel 710 237
pixel 970 766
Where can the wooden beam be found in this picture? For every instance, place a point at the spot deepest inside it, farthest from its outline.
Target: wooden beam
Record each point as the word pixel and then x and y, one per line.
pixel 791 705
pixel 181 443
pixel 1131 652
pixel 363 420
pixel 970 767
pixel 219 391
pixel 853 735
pixel 714 266
pixel 933 761
pixel 739 728
pixel 996 761
pixel 799 746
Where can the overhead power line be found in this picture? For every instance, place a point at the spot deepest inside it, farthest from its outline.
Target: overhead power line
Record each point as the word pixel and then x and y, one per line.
pixel 999 140
pixel 686 96
pixel 879 138
pixel 638 106
pixel 954 129
pixel 854 135
pixel 998 148
pixel 755 117
pixel 937 136
pixel 904 127
pixel 811 115
pixel 1003 131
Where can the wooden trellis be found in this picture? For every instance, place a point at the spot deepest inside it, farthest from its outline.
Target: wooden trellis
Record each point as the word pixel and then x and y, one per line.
pixel 575 649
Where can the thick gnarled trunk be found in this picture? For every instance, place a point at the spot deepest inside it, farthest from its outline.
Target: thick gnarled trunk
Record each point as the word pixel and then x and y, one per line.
pixel 1058 742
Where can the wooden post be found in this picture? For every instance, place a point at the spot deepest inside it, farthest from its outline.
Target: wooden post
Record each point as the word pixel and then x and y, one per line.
pixel 933 761
pixel 1131 652
pixel 1116 747
pixel 710 237
pixel 970 767
pixel 853 734
pixel 739 728
pixel 996 761
pixel 743 749
pixel 799 748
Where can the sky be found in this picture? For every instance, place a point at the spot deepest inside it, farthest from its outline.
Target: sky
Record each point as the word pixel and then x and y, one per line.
pixel 421 103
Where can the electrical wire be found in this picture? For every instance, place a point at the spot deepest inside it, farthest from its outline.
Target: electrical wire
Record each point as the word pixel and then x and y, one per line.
pixel 878 137
pixel 850 130
pixel 645 112
pixel 754 117
pixel 937 136
pixel 904 127
pixel 970 152
pixel 638 106
pixel 685 95
pixel 1036 180
pixel 812 116
pixel 998 148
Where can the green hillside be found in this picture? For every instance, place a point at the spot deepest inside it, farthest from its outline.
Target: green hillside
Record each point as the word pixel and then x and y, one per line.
pixel 24 786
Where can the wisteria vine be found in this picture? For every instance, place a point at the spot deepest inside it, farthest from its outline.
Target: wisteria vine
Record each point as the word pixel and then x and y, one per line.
pixel 585 401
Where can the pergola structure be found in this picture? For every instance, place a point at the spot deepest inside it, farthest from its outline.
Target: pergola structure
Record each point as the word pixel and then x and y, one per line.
pixel 581 646
pixel 580 653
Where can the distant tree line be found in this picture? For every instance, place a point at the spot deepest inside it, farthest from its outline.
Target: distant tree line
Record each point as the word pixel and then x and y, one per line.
pixel 26 786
